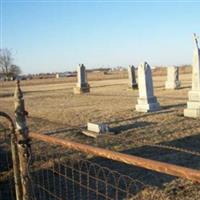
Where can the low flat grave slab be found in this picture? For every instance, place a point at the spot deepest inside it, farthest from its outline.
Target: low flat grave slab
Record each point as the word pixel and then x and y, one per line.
pixel 94 130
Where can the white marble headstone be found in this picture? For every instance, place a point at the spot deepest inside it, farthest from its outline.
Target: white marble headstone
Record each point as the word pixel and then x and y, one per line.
pixel 172 78
pixel 98 128
pixel 193 105
pixel 147 102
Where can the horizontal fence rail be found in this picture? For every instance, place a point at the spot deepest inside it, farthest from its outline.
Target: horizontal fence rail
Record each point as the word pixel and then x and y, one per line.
pixel 170 169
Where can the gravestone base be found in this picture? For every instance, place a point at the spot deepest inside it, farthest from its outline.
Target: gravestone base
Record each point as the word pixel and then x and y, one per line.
pixel 194 113
pixel 134 86
pixel 94 130
pixel 172 85
pixel 193 105
pixel 147 105
pixel 82 90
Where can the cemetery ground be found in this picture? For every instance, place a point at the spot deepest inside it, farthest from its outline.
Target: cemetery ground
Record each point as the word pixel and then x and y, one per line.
pixel 54 109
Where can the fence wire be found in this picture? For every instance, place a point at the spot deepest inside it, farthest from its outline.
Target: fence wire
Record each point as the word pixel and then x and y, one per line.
pixel 61 174
pixel 7 187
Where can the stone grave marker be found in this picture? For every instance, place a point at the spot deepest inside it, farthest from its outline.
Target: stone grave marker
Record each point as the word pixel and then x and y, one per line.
pixel 172 78
pixel 82 85
pixel 193 104
pixel 132 77
pixel 94 130
pixel 147 102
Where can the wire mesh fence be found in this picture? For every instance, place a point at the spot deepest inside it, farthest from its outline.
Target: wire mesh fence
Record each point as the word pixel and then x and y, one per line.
pixel 64 174
pixel 81 180
pixel 59 173
pixel 7 191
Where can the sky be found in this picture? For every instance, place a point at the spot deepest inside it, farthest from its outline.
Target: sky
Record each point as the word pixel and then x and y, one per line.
pixel 56 36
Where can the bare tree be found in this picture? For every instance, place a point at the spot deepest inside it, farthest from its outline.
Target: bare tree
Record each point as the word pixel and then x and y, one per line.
pixel 6 64
pixel 14 70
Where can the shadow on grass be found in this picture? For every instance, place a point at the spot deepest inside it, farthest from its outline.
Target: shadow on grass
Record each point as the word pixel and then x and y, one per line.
pixel 45 91
pixel 185 87
pixel 33 92
pixel 112 95
pixel 4 95
pixel 182 158
pixel 141 116
pixel 174 106
pixel 100 86
pixel 41 122
pixel 172 98
pixel 121 128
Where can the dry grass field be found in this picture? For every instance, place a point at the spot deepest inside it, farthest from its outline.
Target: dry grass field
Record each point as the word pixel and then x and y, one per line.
pixel 54 109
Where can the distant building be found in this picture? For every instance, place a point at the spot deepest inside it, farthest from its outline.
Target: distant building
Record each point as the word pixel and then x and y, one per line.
pixel 65 74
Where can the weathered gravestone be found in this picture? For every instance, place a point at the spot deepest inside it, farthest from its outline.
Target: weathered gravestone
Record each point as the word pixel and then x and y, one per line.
pixel 147 102
pixel 193 105
pixel 57 75
pixel 82 85
pixel 94 130
pixel 172 78
pixel 132 77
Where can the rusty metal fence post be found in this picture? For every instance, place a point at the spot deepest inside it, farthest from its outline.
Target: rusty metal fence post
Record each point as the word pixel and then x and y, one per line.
pixel 23 142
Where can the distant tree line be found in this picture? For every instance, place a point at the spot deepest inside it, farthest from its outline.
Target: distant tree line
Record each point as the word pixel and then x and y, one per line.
pixel 8 70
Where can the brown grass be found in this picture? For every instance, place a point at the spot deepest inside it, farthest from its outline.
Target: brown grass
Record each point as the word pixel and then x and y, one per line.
pixel 52 105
